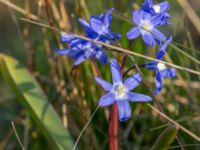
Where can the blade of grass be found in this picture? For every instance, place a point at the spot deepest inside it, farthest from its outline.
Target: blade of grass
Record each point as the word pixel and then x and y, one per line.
pixel 174 122
pixel 17 136
pixel 165 125
pixel 31 96
pixel 166 138
pixel 190 13
pixel 186 145
pixel 84 128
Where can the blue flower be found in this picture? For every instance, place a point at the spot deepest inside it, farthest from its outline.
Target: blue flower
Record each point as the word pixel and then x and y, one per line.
pixel 161 70
pixel 160 8
pixel 120 91
pixel 98 28
pixel 146 26
pixel 80 50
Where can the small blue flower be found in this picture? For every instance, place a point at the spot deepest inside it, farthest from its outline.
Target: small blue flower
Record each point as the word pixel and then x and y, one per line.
pixel 80 50
pixel 98 28
pixel 120 91
pixel 161 70
pixel 146 26
pixel 160 8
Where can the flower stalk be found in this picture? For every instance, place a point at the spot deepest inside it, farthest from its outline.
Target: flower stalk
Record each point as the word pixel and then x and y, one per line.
pixel 113 127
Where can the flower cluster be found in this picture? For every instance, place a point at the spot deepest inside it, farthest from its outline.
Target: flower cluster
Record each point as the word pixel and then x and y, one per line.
pixel 97 29
pixel 148 19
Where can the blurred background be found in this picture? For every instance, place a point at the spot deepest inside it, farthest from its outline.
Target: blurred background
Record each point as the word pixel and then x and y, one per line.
pixel 73 92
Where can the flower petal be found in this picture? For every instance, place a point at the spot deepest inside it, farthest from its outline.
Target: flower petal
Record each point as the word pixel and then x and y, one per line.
pixel 158 35
pixel 166 43
pixel 158 20
pixel 135 97
pixel 145 15
pixel 97 25
pixel 115 70
pixel 164 6
pixel 148 6
pixel 108 18
pixel 151 65
pixel 64 51
pixel 89 31
pixel 160 54
pixel 168 73
pixel 115 36
pixel 83 22
pixel 107 100
pixel 124 110
pixel 159 83
pixel 101 56
pixel 136 17
pixel 163 47
pixel 105 85
pixel 79 60
pixel 67 38
pixel 133 33
pixel 148 39
pixel 133 81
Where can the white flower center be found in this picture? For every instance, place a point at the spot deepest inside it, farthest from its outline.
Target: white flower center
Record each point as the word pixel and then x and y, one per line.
pixel 146 26
pixel 99 53
pixel 156 8
pixel 103 30
pixel 89 45
pixel 89 48
pixel 120 91
pixel 161 66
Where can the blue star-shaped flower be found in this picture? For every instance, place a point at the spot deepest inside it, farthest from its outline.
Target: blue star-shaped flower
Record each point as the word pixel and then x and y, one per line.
pixel 146 26
pixel 98 28
pixel 120 91
pixel 160 8
pixel 80 50
pixel 161 70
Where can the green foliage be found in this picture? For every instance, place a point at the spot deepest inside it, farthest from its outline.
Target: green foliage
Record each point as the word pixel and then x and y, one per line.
pixel 166 138
pixel 31 96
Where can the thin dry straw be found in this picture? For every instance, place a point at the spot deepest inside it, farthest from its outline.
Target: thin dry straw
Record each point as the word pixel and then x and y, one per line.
pixel 186 145
pixel 17 136
pixel 174 122
pixel 18 9
pixel 84 128
pixel 116 48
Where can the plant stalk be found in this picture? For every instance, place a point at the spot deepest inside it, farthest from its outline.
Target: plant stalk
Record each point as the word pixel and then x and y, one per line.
pixel 113 127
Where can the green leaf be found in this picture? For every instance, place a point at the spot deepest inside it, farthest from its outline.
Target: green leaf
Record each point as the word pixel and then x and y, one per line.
pixel 31 96
pixel 166 138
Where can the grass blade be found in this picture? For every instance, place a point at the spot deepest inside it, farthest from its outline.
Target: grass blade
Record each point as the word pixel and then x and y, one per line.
pixel 31 96
pixel 166 138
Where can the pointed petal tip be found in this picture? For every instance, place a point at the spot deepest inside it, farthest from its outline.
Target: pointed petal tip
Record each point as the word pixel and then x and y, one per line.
pixel 124 110
pixel 107 100
pixel 113 62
